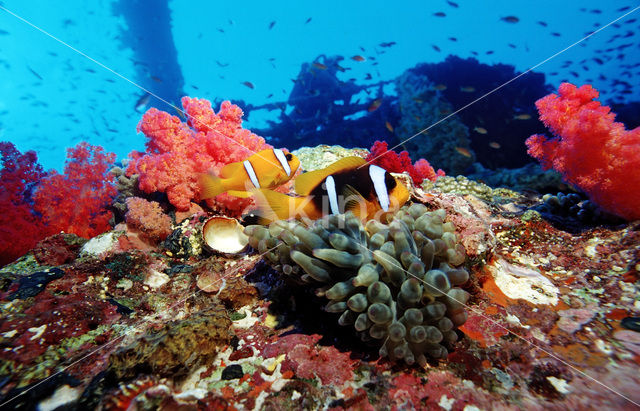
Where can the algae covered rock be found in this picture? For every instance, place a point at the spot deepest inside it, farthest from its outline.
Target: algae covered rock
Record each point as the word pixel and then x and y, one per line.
pixel 394 282
pixel 177 347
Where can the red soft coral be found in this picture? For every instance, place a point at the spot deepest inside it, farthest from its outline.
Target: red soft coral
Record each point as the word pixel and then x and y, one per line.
pixel 592 151
pixel 77 201
pixel 398 163
pixel 35 204
pixel 20 228
pixel 177 152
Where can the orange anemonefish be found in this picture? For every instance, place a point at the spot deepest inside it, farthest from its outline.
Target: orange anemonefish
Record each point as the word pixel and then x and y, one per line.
pixel 265 169
pixel 350 184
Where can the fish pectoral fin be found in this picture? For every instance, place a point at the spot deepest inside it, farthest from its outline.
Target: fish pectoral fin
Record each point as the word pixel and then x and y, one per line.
pixel 230 169
pixel 239 193
pixel 306 182
pixel 271 204
pixel 210 186
pixel 271 178
pixel 353 199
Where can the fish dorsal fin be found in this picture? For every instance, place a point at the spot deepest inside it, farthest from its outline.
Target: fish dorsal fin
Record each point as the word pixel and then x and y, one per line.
pixel 353 198
pixel 230 169
pixel 307 181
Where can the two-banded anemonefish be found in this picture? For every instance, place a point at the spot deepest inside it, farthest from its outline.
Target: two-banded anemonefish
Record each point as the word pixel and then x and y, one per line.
pixel 350 184
pixel 266 169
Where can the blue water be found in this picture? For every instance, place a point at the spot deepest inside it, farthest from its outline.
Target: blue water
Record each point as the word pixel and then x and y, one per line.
pixel 52 97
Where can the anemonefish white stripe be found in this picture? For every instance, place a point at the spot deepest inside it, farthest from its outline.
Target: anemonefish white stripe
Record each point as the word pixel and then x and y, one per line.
pixel 283 160
pixel 333 195
pixel 251 172
pixel 377 175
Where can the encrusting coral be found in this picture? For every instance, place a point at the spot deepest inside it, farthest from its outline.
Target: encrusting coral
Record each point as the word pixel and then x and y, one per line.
pixel 394 282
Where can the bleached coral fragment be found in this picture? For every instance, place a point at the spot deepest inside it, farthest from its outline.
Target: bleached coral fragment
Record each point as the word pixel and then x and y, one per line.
pixel 522 282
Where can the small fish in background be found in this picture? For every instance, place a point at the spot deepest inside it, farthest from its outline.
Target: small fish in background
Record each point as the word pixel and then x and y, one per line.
pixel 273 23
pixel 440 14
pixel 436 48
pixel 467 89
pixel 480 130
pixel 523 116
pixel 387 44
pixel 349 184
pixel 358 57
pixel 248 84
pixel 439 87
pixel 452 4
pixel 513 46
pixel 180 113
pixel 4 32
pixel 308 21
pixel 542 23
pixel 368 76
pixel 453 39
pixel 464 151
pixel 221 64
pixel 510 19
pixel 319 66
pixel 374 105
pixel 35 73
pixel 142 102
pixel 494 145
pixel 388 126
pixel 156 79
pixel 556 34
pixel 268 168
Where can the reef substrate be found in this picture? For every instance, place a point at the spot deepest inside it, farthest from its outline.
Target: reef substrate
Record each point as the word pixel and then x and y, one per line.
pixel 552 323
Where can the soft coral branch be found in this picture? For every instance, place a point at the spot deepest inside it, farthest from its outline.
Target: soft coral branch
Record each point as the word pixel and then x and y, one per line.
pixel 591 150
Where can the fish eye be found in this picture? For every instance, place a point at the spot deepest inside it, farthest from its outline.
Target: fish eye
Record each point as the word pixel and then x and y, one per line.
pixel 289 156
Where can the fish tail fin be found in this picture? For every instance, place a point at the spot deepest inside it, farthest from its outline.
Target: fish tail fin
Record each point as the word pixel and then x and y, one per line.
pixel 277 206
pixel 210 186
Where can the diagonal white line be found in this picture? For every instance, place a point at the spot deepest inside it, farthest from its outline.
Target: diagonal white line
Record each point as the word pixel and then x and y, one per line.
pixel 534 345
pixel 223 278
pixel 135 326
pixel 501 86
pixel 125 78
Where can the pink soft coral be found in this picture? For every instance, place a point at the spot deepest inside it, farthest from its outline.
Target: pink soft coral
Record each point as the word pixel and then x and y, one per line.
pixel 398 163
pixel 177 152
pixel 592 151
